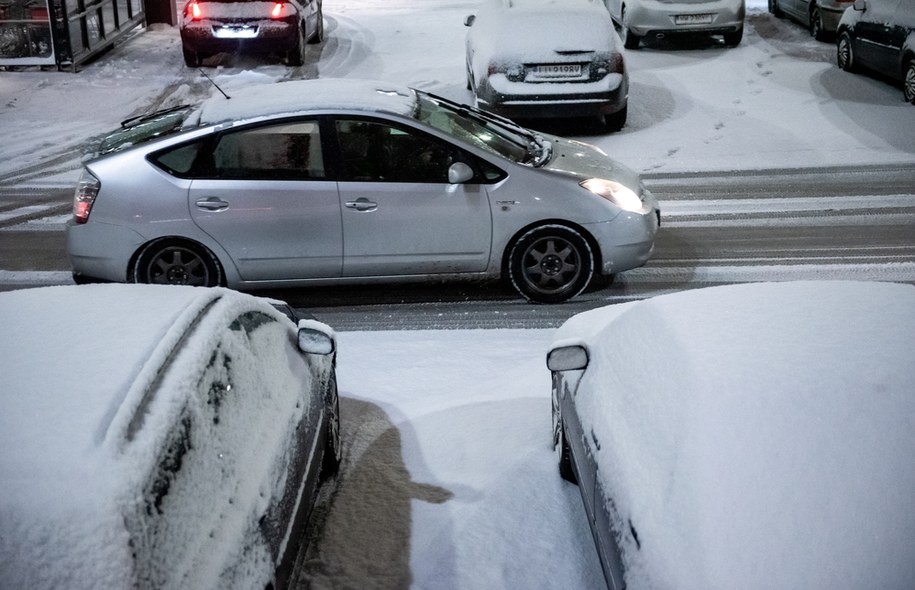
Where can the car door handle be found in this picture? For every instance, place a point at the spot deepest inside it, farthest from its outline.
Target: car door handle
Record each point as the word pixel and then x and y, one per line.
pixel 212 204
pixel 361 204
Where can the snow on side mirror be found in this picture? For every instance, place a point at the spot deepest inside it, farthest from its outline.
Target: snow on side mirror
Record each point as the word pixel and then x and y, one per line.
pixel 567 358
pixel 316 338
pixel 459 173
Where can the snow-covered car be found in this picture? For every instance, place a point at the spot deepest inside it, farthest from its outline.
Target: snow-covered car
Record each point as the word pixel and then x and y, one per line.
pixel 638 19
pixel 547 58
pixel 879 35
pixel 159 437
pixel 326 181
pixel 751 436
pixel 253 26
pixel 820 16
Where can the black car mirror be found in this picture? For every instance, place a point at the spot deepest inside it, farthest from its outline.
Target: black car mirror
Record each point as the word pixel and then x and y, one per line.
pixel 567 358
pixel 468 20
pixel 313 340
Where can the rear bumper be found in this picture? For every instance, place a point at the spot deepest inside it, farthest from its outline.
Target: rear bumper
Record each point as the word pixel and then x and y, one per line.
pixel 716 17
pixel 264 37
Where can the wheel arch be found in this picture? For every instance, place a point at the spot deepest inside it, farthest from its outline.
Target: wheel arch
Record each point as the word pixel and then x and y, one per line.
pixel 592 242
pixel 179 240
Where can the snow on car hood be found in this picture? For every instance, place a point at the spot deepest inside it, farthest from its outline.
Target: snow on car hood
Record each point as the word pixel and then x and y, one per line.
pixel 757 436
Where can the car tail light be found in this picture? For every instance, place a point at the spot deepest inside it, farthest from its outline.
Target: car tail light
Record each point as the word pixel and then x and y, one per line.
pixel 193 10
pixel 86 190
pixel 279 10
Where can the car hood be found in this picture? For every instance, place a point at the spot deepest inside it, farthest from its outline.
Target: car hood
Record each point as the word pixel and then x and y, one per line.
pixel 583 161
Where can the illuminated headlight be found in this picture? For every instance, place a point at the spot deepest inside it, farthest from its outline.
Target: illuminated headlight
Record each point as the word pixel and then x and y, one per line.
pixel 621 196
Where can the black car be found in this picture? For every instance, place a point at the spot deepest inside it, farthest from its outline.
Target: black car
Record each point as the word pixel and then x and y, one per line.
pixel 879 35
pixel 279 27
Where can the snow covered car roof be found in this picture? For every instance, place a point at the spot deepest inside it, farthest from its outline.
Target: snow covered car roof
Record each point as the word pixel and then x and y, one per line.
pixel 757 436
pixel 79 365
pixel 305 95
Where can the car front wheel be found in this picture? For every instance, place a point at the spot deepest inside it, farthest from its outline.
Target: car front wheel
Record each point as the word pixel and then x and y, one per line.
pixel 550 264
pixel 773 8
pixel 816 25
pixel 908 81
pixel 318 35
pixel 845 55
pixel 173 262
pixel 333 450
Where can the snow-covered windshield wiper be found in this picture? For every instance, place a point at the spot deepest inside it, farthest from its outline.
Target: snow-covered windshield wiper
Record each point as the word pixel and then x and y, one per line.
pixel 149 116
pixel 540 149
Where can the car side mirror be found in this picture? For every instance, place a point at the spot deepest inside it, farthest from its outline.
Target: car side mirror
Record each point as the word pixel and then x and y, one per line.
pixel 567 358
pixel 468 20
pixel 459 173
pixel 316 338
pixel 860 5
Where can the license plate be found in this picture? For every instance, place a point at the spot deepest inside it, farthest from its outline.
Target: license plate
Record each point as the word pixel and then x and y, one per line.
pixel 245 32
pixel 693 19
pixel 558 70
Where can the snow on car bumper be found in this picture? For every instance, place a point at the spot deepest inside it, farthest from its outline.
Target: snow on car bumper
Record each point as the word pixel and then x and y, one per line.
pixel 553 99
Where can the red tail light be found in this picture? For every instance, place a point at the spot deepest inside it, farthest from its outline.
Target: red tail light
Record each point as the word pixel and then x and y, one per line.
pixel 86 190
pixel 277 11
pixel 194 11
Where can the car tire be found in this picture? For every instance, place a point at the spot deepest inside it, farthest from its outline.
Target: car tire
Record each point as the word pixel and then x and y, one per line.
pixel 296 55
pixel 733 39
pixel 333 449
pixel 177 262
pixel 615 121
pixel 630 39
pixel 816 25
pixel 550 264
pixel 908 80
pixel 845 53
pixel 191 58
pixel 774 9
pixel 564 457
pixel 318 35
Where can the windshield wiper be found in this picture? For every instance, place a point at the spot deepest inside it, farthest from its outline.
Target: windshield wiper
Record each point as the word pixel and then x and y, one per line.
pixel 540 148
pixel 141 118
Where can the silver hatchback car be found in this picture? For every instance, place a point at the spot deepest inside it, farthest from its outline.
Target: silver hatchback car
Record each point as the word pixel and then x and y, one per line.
pixel 317 182
pixel 658 18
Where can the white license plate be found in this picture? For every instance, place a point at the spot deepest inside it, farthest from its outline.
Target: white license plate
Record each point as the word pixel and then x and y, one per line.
pixel 558 70
pixel 235 32
pixel 693 19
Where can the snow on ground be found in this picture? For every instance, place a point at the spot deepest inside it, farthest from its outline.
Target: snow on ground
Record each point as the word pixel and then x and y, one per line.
pixel 450 480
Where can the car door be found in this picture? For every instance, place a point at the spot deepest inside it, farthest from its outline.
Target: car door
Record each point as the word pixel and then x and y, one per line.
pixel 265 195
pixel 400 214
pixel 874 36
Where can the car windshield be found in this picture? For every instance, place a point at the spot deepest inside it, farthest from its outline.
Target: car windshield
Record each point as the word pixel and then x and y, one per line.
pixel 144 128
pixel 483 130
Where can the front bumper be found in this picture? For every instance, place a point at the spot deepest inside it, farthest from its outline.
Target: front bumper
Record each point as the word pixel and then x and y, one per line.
pixel 553 99
pixel 627 241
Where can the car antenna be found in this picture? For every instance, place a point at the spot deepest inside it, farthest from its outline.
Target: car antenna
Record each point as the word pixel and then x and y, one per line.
pixel 221 91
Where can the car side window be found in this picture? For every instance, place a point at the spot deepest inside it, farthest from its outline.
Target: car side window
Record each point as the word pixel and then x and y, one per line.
pixel 373 151
pixel 287 151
